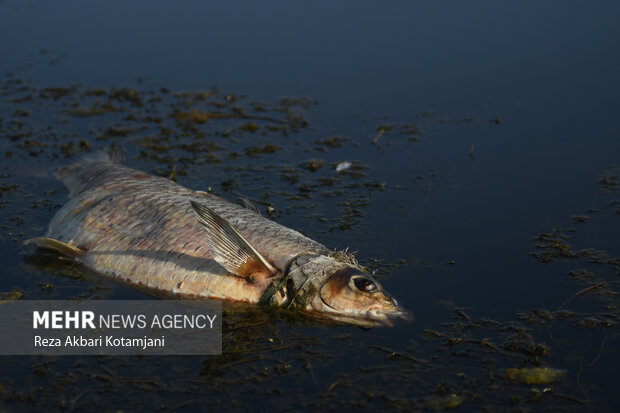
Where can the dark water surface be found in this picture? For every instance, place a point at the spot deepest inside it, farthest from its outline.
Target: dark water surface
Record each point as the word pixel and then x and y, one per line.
pixel 495 130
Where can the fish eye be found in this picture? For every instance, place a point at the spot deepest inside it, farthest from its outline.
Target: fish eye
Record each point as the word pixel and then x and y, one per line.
pixel 364 284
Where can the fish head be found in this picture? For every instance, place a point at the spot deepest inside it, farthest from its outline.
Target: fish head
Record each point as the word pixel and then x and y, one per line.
pixel 344 292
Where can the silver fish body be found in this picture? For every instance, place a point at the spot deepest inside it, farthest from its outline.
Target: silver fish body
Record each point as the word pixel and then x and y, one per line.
pixel 152 232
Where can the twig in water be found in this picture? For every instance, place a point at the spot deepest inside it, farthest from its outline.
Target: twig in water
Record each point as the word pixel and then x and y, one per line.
pixel 585 290
pixel 379 135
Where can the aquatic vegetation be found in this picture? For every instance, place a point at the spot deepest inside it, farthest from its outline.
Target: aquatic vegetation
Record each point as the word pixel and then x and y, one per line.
pixel 13 295
pixel 534 375
pixel 609 179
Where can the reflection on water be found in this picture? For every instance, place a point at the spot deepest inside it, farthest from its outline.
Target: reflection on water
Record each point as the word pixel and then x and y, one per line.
pixel 465 153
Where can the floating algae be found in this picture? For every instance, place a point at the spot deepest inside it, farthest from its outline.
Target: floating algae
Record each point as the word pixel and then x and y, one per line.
pixel 449 401
pixel 13 295
pixel 534 375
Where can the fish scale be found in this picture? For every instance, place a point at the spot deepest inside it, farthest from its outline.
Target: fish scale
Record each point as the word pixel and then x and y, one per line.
pixel 141 228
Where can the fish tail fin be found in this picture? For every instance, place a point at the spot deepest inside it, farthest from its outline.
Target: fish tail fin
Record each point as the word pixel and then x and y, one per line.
pixel 116 153
pixel 53 244
pixel 71 175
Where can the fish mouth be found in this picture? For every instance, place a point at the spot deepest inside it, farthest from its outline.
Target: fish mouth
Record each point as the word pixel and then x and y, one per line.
pixel 366 317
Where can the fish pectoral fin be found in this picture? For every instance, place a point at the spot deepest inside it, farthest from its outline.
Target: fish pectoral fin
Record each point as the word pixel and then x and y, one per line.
pixel 229 248
pixel 53 244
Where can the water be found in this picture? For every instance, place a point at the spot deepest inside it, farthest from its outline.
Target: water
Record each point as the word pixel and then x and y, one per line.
pixel 533 88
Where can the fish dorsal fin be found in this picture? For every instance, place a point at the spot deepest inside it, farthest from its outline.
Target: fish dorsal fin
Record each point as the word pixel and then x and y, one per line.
pixel 246 203
pixel 53 244
pixel 229 248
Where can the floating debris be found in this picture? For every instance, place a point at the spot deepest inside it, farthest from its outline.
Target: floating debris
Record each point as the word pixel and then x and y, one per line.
pixel 256 151
pixel 332 142
pixel 86 111
pixel 343 166
pixel 313 165
pixel 412 131
pixel 379 135
pixel 580 218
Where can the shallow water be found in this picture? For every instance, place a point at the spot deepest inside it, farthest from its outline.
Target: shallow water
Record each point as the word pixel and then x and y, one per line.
pixel 499 124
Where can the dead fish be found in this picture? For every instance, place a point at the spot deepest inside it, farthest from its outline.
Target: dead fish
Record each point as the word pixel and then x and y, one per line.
pixel 154 233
